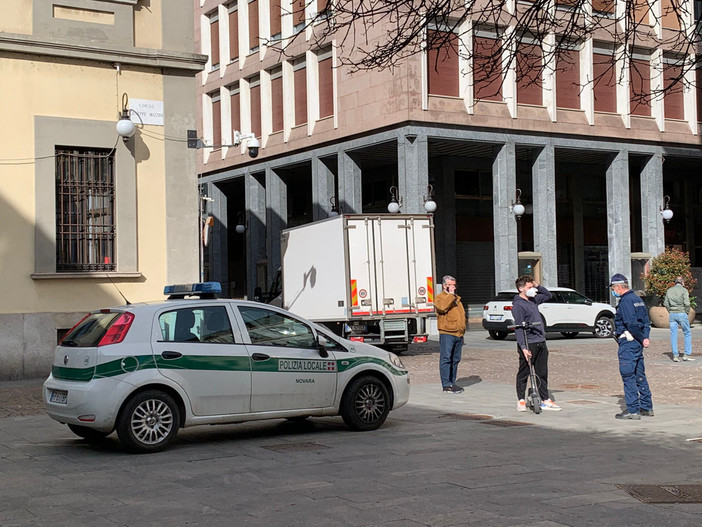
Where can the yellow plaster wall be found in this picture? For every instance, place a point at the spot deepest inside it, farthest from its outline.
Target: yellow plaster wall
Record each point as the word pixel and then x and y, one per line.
pixel 147 25
pixel 17 19
pixel 80 91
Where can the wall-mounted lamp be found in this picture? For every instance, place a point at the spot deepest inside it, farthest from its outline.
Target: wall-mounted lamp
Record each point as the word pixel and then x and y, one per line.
pixel 240 223
pixel 335 211
pixel 429 203
pixel 394 205
pixel 125 126
pixel 253 144
pixel 516 207
pixel 665 210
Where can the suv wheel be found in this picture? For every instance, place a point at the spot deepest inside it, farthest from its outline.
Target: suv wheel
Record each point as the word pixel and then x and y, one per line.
pixel 604 326
pixel 365 404
pixel 498 335
pixel 148 422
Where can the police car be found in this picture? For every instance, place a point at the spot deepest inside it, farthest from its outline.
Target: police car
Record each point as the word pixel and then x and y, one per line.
pixel 146 370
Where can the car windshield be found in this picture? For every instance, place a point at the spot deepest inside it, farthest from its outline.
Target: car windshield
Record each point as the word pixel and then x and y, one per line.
pixel 90 331
pixel 505 296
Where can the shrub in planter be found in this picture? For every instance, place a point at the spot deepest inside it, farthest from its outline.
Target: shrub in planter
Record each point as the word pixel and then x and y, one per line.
pixel 664 269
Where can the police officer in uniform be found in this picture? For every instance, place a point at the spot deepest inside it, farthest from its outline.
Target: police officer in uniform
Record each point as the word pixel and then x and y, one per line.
pixel 632 328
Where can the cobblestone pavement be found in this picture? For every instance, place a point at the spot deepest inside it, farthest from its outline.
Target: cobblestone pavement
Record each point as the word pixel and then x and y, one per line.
pixel 582 364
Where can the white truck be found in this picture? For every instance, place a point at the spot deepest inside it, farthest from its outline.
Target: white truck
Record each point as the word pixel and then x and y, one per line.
pixel 367 277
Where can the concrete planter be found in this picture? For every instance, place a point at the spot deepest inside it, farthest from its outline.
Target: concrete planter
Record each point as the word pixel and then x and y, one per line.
pixel 659 316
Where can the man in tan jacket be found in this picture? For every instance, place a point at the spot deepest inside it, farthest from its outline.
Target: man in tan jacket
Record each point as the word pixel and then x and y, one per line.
pixel 451 321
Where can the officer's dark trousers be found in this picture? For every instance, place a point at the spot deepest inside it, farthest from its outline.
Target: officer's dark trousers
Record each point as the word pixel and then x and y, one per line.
pixel 631 366
pixel 539 357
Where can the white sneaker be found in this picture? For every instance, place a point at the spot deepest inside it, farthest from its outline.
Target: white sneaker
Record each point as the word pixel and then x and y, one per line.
pixel 548 404
pixel 687 357
pixel 521 406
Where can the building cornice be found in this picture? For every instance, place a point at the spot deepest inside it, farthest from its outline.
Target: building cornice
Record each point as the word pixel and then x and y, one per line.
pixel 28 45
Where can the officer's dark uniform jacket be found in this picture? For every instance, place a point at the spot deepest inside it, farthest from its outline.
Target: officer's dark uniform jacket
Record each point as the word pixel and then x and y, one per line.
pixel 632 316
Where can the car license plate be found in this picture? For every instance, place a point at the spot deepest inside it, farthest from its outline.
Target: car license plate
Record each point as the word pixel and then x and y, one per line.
pixel 59 396
pixel 495 317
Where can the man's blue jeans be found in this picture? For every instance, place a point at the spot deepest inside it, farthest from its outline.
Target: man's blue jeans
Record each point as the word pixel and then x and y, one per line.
pixel 449 356
pixel 637 394
pixel 681 319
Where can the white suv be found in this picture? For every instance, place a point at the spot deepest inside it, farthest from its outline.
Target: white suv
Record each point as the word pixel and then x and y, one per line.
pixel 567 312
pixel 149 369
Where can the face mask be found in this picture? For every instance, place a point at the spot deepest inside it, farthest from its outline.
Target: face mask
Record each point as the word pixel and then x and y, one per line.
pixel 615 294
pixel 531 293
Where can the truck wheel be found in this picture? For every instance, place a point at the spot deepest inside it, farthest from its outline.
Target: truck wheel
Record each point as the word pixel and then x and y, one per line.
pixel 365 404
pixel 89 434
pixel 148 422
pixel 604 327
pixel 498 335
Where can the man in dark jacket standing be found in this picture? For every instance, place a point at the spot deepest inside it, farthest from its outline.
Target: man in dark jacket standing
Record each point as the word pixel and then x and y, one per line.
pixel 632 328
pixel 451 322
pixel 525 308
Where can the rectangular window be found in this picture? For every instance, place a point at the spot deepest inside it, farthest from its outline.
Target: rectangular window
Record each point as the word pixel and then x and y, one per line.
pixel 300 82
pixel 605 88
pixel 216 119
pixel 673 97
pixel 253 26
pixel 640 82
pixel 85 209
pixel 442 63
pixel 233 31
pixel 529 74
pixel 641 10
pixel 275 14
pixel 487 69
pixel 214 41
pixel 277 99
pixel 568 79
pixel 671 11
pixel 298 14
pixel 326 84
pixel 322 8
pixel 603 6
pixel 255 94
pixel 235 105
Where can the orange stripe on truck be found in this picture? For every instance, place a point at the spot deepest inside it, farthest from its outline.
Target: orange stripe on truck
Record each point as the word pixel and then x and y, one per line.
pixel 354 293
pixel 430 289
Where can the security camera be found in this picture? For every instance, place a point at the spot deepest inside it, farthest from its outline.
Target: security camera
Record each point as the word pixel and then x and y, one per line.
pixel 254 145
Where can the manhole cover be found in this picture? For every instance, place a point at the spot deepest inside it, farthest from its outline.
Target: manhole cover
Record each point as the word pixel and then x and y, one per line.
pixel 580 386
pixel 506 423
pixel 295 447
pixel 469 417
pixel 692 388
pixel 583 401
pixel 664 493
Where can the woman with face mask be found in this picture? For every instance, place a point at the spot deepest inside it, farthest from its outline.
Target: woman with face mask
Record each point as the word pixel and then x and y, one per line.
pixel 525 308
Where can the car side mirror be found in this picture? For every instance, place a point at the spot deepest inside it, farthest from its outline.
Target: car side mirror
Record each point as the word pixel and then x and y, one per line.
pixel 588 302
pixel 322 346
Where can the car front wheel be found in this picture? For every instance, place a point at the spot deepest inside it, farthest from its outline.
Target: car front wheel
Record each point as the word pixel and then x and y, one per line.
pixel 365 404
pixel 604 326
pixel 148 422
pixel 498 335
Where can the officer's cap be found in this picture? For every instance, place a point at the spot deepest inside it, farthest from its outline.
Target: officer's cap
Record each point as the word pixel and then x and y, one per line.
pixel 618 279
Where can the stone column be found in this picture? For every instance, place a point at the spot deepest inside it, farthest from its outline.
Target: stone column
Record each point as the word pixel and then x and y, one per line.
pixel 652 228
pixel 412 172
pixel 254 187
pixel 543 174
pixel 276 218
pixel 323 188
pixel 350 181
pixel 218 245
pixel 574 183
pixel 445 219
pixel 618 229
pixel 504 186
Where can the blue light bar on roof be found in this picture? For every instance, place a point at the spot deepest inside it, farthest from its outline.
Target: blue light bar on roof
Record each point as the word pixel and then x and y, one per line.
pixel 201 288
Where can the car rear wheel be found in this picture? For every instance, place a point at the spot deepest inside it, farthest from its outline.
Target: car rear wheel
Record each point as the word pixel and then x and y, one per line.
pixel 498 335
pixel 89 434
pixel 148 422
pixel 365 404
pixel 604 326
pixel 569 334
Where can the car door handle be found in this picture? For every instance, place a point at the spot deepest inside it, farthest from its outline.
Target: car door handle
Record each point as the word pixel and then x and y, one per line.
pixel 260 356
pixel 170 355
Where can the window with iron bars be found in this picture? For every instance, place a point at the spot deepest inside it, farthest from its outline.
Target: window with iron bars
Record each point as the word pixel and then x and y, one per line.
pixel 85 209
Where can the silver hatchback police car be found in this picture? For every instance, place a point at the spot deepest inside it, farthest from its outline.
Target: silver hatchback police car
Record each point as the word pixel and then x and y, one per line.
pixel 149 369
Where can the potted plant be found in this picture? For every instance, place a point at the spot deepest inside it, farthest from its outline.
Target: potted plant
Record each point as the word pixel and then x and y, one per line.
pixel 664 269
